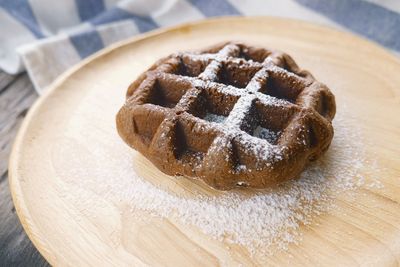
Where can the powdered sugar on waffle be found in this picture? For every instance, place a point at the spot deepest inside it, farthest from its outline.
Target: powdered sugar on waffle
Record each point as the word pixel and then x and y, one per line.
pixel 267 134
pixel 211 117
pixel 261 148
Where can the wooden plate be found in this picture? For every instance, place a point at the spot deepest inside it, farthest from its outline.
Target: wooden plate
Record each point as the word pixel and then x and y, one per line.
pixel 73 224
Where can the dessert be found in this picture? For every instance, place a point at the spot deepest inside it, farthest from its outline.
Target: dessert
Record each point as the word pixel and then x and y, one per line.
pixel 231 115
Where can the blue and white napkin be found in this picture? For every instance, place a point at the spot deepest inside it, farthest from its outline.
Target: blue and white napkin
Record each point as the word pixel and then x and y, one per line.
pixel 45 37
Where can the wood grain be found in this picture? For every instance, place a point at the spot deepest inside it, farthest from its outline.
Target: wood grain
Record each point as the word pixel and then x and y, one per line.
pixel 16 96
pixel 72 224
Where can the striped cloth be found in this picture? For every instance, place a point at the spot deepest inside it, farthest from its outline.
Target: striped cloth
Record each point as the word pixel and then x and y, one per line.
pixel 45 37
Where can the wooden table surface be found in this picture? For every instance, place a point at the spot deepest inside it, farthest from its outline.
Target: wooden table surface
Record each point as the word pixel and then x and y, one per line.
pixel 16 96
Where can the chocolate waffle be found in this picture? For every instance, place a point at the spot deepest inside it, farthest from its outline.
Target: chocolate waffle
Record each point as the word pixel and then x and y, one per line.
pixel 232 115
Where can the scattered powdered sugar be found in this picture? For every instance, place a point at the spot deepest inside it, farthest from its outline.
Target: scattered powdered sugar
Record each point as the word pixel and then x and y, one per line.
pixel 258 220
pixel 254 220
